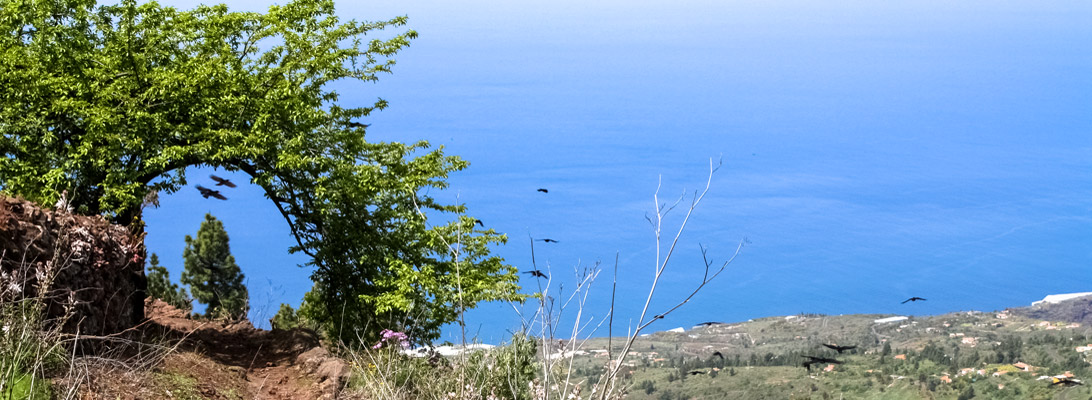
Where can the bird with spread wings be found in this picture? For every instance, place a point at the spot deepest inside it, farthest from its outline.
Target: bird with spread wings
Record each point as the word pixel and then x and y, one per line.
pixel 536 273
pixel 222 182
pixel 210 193
pixel 840 349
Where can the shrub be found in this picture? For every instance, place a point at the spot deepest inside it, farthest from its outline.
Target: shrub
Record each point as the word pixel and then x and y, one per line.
pixel 503 372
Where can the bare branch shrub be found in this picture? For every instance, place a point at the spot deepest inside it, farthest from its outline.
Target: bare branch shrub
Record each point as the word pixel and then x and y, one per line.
pixel 607 387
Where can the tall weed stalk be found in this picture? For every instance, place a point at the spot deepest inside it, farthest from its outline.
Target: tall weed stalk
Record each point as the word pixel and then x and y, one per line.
pixel 31 347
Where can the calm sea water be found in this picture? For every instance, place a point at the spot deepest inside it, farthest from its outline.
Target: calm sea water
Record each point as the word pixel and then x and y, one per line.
pixel 871 152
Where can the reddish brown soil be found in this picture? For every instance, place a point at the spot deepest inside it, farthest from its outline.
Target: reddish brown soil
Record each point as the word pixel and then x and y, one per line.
pixel 219 360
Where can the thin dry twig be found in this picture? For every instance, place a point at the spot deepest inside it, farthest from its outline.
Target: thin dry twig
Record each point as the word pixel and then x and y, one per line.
pixel 606 385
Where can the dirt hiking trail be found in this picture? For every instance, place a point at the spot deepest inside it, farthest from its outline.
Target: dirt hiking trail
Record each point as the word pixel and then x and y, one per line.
pixel 220 360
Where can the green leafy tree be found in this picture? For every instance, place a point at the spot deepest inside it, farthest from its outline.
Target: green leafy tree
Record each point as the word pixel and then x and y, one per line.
pixel 967 394
pixel 286 318
pixel 111 103
pixel 160 286
pixel 212 274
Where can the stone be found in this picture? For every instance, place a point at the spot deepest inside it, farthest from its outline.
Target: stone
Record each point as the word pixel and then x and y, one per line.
pixel 89 272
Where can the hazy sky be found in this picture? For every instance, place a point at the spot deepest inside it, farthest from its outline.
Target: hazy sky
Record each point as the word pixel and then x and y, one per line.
pixel 872 151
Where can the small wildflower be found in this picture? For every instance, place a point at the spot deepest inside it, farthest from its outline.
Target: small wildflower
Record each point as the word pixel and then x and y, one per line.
pixel 14 287
pixel 39 274
pixel 389 336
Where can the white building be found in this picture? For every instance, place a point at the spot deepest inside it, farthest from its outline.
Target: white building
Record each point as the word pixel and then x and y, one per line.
pixel 890 319
pixel 447 351
pixel 1058 298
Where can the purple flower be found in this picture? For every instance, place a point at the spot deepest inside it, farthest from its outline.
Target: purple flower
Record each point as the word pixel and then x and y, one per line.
pixel 389 336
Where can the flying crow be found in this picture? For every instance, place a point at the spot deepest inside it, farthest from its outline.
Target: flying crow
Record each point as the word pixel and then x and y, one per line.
pixel 548 240
pixel 710 323
pixel 696 372
pixel 807 364
pixel 718 354
pixel 479 222
pixel 839 348
pixel 358 125
pixel 221 181
pixel 543 190
pixel 915 298
pixel 821 360
pixel 818 360
pixel 536 273
pixel 209 192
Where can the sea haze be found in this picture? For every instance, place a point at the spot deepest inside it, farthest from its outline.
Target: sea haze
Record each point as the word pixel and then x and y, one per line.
pixel 871 152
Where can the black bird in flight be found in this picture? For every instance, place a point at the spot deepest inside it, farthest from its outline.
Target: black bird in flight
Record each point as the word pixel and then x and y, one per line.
pixel 710 323
pixel 818 360
pixel 821 360
pixel 696 372
pixel 718 354
pixel 222 182
pixel 839 348
pixel 209 192
pixel 915 298
pixel 536 273
pixel 548 240
pixel 358 125
pixel 479 222
pixel 543 190
pixel 1065 382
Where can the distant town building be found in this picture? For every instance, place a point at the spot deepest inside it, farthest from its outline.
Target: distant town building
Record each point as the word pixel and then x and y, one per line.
pixel 890 319
pixel 446 351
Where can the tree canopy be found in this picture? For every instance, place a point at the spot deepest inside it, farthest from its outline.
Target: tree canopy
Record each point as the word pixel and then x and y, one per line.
pixel 161 287
pixel 112 103
pixel 212 274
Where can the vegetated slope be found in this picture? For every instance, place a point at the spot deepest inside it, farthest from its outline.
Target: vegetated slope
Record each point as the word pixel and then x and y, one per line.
pixel 1073 310
pixel 997 355
pixel 947 356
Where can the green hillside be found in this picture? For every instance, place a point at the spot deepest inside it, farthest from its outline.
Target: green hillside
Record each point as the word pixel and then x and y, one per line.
pixel 952 356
